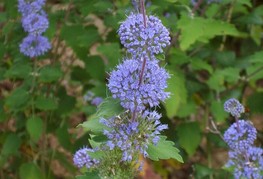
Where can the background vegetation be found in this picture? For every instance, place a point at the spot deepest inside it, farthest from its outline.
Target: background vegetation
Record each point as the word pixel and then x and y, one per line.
pixel 216 53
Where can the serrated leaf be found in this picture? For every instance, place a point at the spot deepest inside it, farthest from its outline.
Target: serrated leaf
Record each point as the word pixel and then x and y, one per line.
pixel 216 81
pixel 255 103
pixel 198 64
pixel 30 171
pixel 189 135
pixel 231 74
pixel 45 104
pixel 50 74
pixel 18 99
pixel 204 29
pixel 177 88
pixel 256 57
pixel 164 150
pixel 34 126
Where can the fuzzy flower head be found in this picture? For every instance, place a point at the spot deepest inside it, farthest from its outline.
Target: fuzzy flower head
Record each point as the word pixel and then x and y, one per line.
pixel 26 7
pixel 35 24
pixel 124 84
pixel 140 40
pixel 34 45
pixel 248 164
pixel 234 107
pixel 132 137
pixel 81 158
pixel 240 135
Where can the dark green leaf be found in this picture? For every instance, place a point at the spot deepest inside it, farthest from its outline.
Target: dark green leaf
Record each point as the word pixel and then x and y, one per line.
pixel 45 104
pixel 50 74
pixel 11 144
pixel 34 126
pixel 18 99
pixel 30 171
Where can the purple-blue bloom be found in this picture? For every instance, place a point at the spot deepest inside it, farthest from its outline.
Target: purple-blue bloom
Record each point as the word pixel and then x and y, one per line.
pixel 35 24
pixel 26 7
pixel 132 137
pixel 34 45
pixel 140 41
pixel 234 107
pixel 124 84
pixel 81 158
pixel 240 135
pixel 248 164
pixel 97 101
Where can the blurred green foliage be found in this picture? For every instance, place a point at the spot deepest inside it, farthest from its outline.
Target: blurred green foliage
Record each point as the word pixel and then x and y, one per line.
pixel 215 53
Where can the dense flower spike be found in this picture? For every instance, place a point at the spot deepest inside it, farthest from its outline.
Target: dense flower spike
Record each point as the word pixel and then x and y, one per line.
pixel 247 164
pixel 35 22
pixel 234 107
pixel 240 135
pixel 141 41
pixel 124 84
pixel 26 7
pixel 82 158
pixel 132 136
pixel 33 46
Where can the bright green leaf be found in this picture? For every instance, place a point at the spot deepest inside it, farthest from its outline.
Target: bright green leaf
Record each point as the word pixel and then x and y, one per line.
pixel 217 109
pixel 200 29
pixel 189 135
pixel 164 150
pixel 177 88
pixel 111 53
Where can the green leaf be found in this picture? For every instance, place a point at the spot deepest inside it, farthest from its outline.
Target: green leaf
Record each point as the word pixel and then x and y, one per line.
pixel 111 53
pixel 256 57
pixel 95 67
pixel 216 81
pixel 11 144
pixel 189 135
pixel 231 74
pixel 19 70
pixel 255 103
pixel 217 109
pixel 50 74
pixel 18 99
pixel 34 126
pixel 199 64
pixel 45 104
pixel 204 29
pixel 63 136
pixel 30 171
pixel 164 150
pixel 178 96
pixel 108 108
pixel 66 103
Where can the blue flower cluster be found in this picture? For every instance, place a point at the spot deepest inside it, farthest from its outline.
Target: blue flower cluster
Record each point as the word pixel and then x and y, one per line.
pixel 234 107
pixel 35 22
pixel 140 40
pixel 124 84
pixel 81 158
pixel 246 159
pixel 240 135
pixel 132 136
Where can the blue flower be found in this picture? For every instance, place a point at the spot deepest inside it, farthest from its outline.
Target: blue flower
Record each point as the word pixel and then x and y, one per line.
pixel 35 24
pixel 133 137
pixel 248 164
pixel 26 7
pixel 240 135
pixel 96 101
pixel 124 84
pixel 33 46
pixel 141 41
pixel 81 158
pixel 234 107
